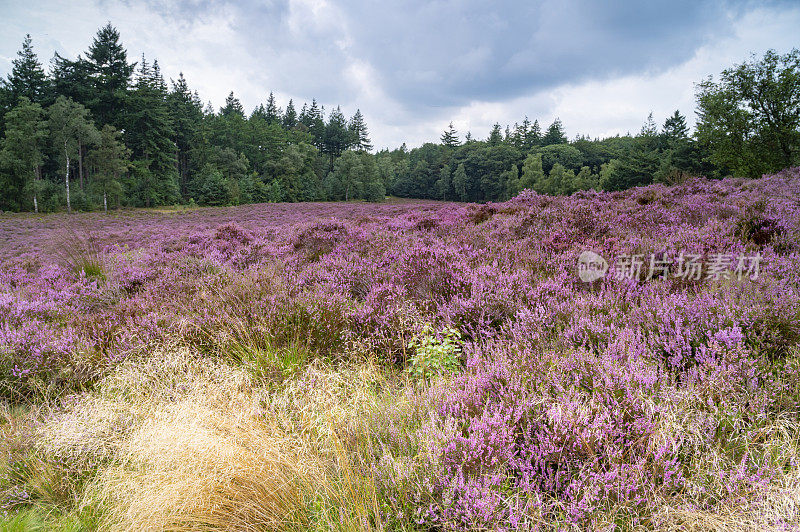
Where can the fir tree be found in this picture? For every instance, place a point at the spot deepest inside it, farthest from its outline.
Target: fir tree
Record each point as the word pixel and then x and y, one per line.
pixel 149 135
pixel 358 133
pixel 555 134
pixel 534 137
pixel 495 135
pixel 675 127
pixel 336 138
pixel 73 79
pixel 186 116
pixel 450 136
pixel 272 112
pixel 27 78
pixel 290 116
pixel 232 107
pixel 108 65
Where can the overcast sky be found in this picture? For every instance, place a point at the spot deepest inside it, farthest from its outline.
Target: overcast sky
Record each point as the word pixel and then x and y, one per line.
pixel 414 66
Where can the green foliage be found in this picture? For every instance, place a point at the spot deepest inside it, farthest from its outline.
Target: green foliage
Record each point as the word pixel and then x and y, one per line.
pixel 750 120
pixel 107 62
pixel 450 137
pixel 355 176
pixel 149 135
pixel 555 134
pixel 210 187
pixel 21 155
pixel 27 78
pixel 435 352
pixel 460 182
pixel 564 154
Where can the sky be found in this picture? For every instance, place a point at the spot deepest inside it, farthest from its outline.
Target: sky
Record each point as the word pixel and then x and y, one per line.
pixel 412 67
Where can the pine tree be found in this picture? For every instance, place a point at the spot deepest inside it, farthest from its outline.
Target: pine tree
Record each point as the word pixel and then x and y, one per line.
pixel 495 136
pixel 555 134
pixel 649 129
pixel 317 127
pixel 336 138
pixel 521 132
pixel 290 116
pixel 450 136
pixel 149 135
pixel 232 107
pixel 71 129
pixel 27 78
pixel 272 111
pixel 186 116
pixel 675 127
pixel 534 137
pixel 21 154
pixel 358 133
pixel 72 79
pixel 111 73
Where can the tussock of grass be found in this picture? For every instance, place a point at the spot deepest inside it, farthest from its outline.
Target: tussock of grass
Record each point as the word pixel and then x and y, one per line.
pixel 188 443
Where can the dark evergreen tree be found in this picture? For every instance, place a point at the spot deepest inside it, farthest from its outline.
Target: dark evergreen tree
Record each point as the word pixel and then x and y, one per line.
pixel 272 112
pixel 358 133
pixel 186 117
pixel 290 116
pixel 534 137
pixel 27 78
pixel 72 79
pixel 232 107
pixel 495 135
pixel 150 136
pixel 109 69
pixel 337 137
pixel 555 134
pixel 450 136
pixel 675 128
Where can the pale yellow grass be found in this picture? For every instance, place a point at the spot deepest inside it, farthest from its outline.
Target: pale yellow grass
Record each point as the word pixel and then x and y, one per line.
pixel 195 444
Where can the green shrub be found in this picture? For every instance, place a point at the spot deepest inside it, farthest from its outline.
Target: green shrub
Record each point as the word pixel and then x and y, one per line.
pixel 435 352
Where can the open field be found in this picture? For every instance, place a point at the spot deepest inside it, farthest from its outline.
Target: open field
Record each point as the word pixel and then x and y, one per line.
pixel 411 365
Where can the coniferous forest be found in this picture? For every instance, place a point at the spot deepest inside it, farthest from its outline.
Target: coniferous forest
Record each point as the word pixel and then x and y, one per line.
pixel 106 130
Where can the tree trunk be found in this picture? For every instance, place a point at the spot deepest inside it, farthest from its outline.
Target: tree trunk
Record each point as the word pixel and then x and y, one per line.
pixel 105 202
pixel 80 164
pixel 37 175
pixel 66 177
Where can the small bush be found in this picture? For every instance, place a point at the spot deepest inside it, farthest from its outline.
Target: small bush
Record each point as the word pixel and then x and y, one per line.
pixel 435 352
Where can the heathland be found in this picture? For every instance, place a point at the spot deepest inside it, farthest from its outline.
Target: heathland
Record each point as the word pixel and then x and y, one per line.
pixel 410 365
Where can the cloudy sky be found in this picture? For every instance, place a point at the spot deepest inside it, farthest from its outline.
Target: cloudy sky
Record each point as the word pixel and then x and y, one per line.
pixel 414 66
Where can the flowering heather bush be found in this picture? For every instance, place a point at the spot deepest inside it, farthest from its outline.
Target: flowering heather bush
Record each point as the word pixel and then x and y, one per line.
pixel 622 402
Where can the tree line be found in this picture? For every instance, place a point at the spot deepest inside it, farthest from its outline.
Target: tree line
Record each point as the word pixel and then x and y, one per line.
pixel 748 124
pixel 100 131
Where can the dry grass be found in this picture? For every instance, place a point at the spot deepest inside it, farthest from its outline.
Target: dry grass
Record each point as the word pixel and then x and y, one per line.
pixel 195 444
pixel 185 443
